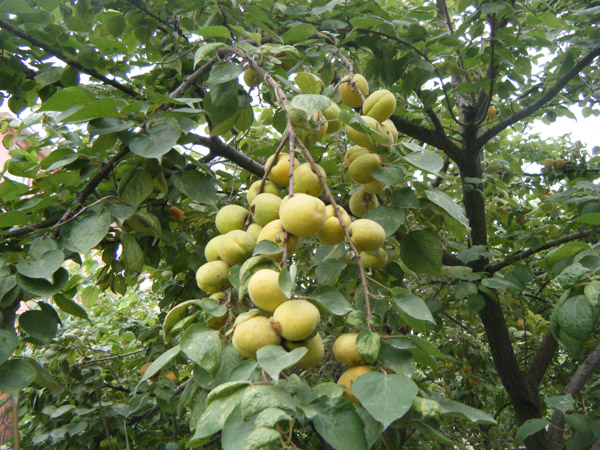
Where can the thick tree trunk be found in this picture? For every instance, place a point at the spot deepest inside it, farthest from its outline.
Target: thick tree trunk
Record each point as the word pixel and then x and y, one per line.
pixel 522 397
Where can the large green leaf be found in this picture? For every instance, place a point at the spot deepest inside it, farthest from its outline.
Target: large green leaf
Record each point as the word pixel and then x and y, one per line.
pixel 195 185
pixel 203 346
pixel 39 324
pixel 413 306
pixel 86 231
pixel 332 300
pixel 273 359
pixel 386 397
pixel 452 408
pixel 425 160
pixel 530 427
pixel 67 98
pixel 43 288
pixel 389 218
pixel 8 344
pixel 421 251
pixel 446 202
pixel 136 186
pixel 15 375
pixel 338 423
pixel 43 267
pixel 157 141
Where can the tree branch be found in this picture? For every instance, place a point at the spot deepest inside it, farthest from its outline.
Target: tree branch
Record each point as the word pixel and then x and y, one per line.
pixel 583 62
pixel 542 360
pixel 172 26
pixel 522 254
pixel 58 54
pixel 155 409
pixel 219 148
pixel 576 383
pixel 191 79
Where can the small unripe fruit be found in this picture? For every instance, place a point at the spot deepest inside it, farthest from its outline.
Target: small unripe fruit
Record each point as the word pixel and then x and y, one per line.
pixel 213 276
pixel 264 291
pixel 169 374
pixel 371 261
pixel 350 94
pixel 361 201
pixel 348 377
pixel 559 163
pixel 250 78
pixel 362 139
pixel 374 187
pixel 473 381
pixel 176 213
pixel 302 215
pixel 345 350
pixel 491 112
pixel 380 105
pixel 280 171
pixel 273 231
pixel 332 233
pixel 389 131
pixel 306 180
pixel 549 163
pixel 367 235
pixel 211 251
pixel 295 320
pixel 231 217
pixel 144 368
pixel 360 169
pixel 521 323
pixel 313 136
pixel 236 247
pixel 254 230
pixel 269 188
pixel 265 208
pixel 354 152
pixel 253 334
pixel 332 114
pixel 315 352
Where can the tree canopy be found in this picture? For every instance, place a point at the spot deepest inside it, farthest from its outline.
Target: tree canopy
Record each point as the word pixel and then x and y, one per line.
pixel 474 324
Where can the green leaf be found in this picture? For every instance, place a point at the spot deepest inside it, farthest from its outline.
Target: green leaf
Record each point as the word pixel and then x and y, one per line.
pixel 413 306
pixel 565 251
pixel 203 346
pixel 161 362
pixel 215 31
pixel 195 185
pixel 389 175
pixel 58 158
pixel 225 390
pixel 267 248
pixel 67 98
pixel 389 218
pixel 105 107
pixel 287 279
pixel 273 359
pixel 16 375
pixel 589 219
pixel 338 423
pixel 214 417
pixel 43 267
pixel 132 254
pixel 159 140
pixel 446 202
pixel 205 50
pixel 530 427
pixel 13 219
pixel 107 125
pixel 223 72
pixel 368 344
pixel 425 160
pixel 310 103
pixel 176 314
pixel 270 417
pixel 298 33
pixel 332 300
pixel 43 288
pixel 135 186
pixel 436 435
pixel 421 251
pixel 386 397
pixel 496 282
pixel 8 344
pixel 400 361
pixel 592 293
pixel 257 398
pixel 70 307
pixel 236 430
pixel 563 403
pixel 261 438
pixel 39 324
pixel 573 321
pixel 452 408
pixel 86 231
pixel 309 83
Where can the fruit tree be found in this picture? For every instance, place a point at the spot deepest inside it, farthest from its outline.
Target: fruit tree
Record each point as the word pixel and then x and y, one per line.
pixel 299 224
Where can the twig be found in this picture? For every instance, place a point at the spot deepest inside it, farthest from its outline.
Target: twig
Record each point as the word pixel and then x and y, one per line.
pixel 108 358
pixel 126 435
pixel 106 427
pixel 15 426
pixel 218 147
pixel 159 20
pixel 438 180
pixel 58 54
pixel 541 360
pixel 192 79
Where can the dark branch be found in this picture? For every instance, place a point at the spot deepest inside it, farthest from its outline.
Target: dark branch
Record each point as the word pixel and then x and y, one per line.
pixel 57 53
pixel 438 180
pixel 492 268
pixel 541 360
pixel 171 25
pixel 219 148
pixel 191 79
pixel 583 62
pixel 427 136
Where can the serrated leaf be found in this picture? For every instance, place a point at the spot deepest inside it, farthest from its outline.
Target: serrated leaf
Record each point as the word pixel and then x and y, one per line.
pixel 386 397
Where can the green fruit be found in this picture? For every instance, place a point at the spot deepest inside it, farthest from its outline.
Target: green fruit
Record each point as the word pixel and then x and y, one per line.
pixel 315 352
pixel 349 93
pixel 213 276
pixel 332 114
pixel 366 235
pixel 549 163
pixel 361 201
pixel 264 290
pixel 374 187
pixel 280 172
pixel 345 350
pixel 250 78
pixel 313 135
pixel 269 188
pixel 559 163
pixel 354 152
pixel 218 322
pixel 295 320
pixel 302 215
pixel 348 377
pixel 360 169
pixel 265 208
pixel 236 247
pixel 306 180
pixel 253 334
pixel 211 251
pixel 359 138
pixel 273 231
pixel 332 233
pixel 390 133
pixel 380 105
pixel 231 217
pixel 254 230
pixel 374 261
